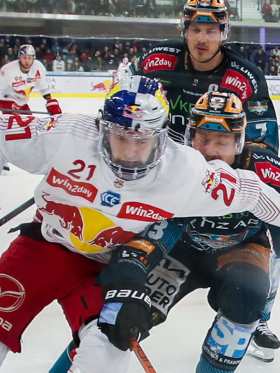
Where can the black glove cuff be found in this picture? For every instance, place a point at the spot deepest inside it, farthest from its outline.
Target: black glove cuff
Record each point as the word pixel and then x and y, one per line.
pixel 128 295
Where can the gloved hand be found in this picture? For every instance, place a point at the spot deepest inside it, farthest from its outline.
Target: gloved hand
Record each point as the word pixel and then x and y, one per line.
pixel 125 316
pixel 53 107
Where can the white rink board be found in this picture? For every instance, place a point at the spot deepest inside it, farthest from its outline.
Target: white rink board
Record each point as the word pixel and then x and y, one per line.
pixel 173 347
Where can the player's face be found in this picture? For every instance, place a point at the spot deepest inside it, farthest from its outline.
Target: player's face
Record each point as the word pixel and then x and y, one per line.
pixel 214 145
pixel 203 41
pixel 131 150
pixel 26 62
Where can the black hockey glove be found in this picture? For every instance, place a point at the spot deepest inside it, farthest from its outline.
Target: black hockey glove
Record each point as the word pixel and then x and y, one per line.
pixel 125 317
pixel 126 312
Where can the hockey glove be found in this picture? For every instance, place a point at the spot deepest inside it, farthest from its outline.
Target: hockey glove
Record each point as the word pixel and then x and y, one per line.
pixel 53 107
pixel 125 317
pixel 126 313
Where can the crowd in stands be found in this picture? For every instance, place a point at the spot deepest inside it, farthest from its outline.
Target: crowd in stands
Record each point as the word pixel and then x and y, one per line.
pixel 271 10
pixel 266 58
pixel 134 8
pixel 124 8
pixel 65 54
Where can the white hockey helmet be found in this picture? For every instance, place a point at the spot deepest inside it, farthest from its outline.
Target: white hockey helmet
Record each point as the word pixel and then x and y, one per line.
pixel 26 50
pixel 135 112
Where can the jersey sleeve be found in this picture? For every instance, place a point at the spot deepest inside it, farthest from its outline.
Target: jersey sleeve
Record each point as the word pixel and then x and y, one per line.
pixel 219 190
pixel 32 143
pixel 264 162
pixel 42 83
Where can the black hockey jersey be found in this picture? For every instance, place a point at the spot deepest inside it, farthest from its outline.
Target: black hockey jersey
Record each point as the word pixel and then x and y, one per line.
pixel 171 64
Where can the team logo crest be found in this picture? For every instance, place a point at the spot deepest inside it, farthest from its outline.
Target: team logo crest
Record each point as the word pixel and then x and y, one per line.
pixel 210 181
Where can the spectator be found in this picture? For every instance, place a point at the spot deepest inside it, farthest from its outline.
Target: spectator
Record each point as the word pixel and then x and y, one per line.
pixel 267 11
pixel 260 59
pixel 272 70
pixel 275 11
pixel 58 64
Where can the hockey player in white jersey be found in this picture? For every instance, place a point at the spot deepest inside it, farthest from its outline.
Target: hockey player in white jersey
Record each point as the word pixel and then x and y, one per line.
pixel 101 188
pixel 19 77
pixel 123 71
pixel 217 252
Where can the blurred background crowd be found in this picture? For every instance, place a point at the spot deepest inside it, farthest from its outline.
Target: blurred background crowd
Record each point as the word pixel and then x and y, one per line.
pixel 97 54
pixel 269 10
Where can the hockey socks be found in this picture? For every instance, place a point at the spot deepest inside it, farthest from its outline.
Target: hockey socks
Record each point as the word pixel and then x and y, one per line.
pixel 205 367
pixel 64 362
pixel 225 345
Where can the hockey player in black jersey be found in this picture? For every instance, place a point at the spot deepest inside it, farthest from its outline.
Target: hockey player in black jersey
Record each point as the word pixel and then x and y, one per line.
pixel 200 63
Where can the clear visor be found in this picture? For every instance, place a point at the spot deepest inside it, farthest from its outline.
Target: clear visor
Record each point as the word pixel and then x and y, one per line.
pixel 131 153
pixel 239 137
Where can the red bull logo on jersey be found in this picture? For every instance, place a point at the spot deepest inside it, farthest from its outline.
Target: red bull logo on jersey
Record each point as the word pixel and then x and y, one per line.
pixel 237 83
pixel 70 186
pixel 69 217
pixel 143 212
pixel 89 231
pixel 210 181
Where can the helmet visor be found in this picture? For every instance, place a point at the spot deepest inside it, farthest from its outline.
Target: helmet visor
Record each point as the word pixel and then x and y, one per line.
pixel 131 153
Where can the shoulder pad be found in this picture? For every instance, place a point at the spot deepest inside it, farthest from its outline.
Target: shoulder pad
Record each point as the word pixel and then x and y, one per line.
pixel 161 58
pixel 243 78
pixel 264 162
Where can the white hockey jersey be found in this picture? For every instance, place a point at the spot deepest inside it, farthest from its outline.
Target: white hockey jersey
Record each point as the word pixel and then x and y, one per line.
pixel 123 70
pixel 17 86
pixel 86 208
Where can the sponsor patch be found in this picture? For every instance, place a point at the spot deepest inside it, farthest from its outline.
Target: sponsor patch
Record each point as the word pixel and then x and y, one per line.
pixel 210 181
pixel 70 186
pixel 158 62
pixel 268 173
pixel 143 212
pixel 110 199
pixel 258 107
pixel 236 82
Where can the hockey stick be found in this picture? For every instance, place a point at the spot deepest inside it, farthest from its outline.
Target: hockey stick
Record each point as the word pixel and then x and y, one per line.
pixel 24 112
pixel 142 357
pixel 16 211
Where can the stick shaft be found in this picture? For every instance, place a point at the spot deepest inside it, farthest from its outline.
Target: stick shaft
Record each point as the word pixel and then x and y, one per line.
pixel 142 357
pixel 25 112
pixel 16 211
